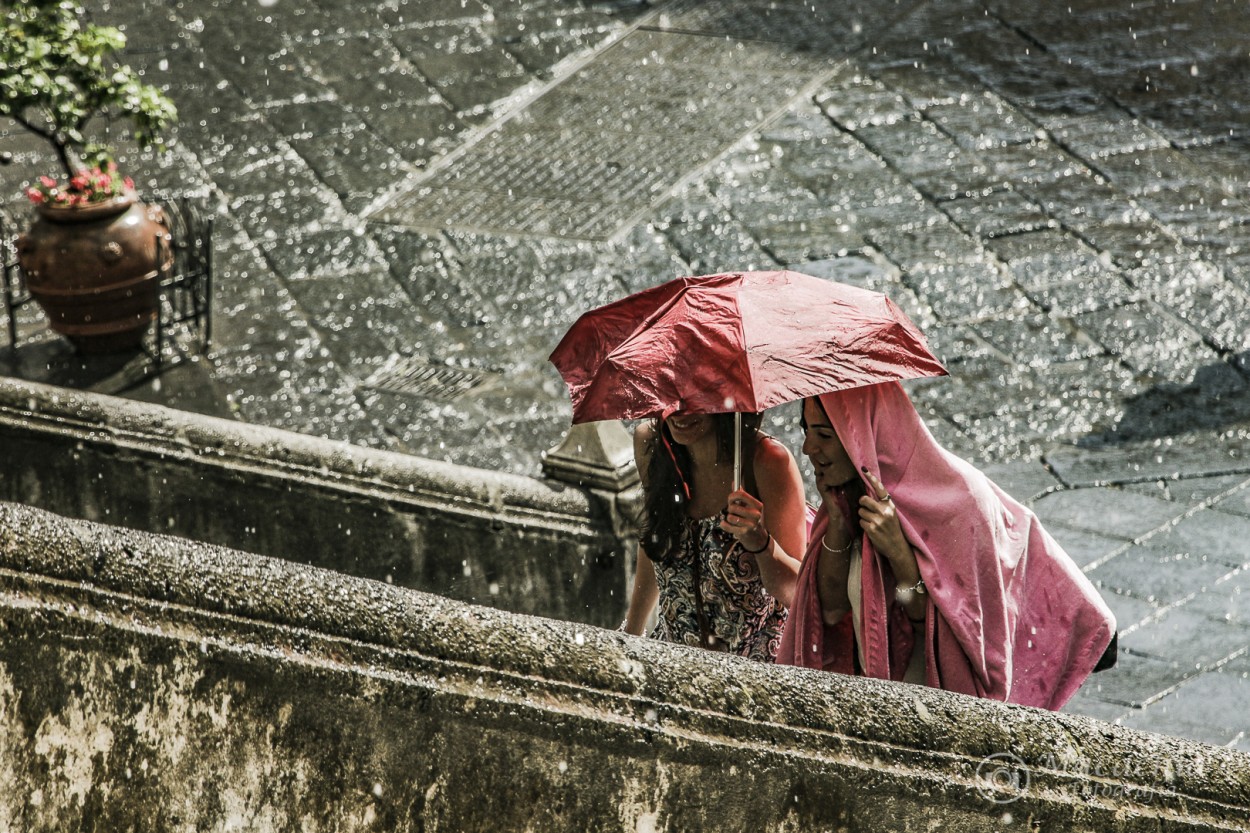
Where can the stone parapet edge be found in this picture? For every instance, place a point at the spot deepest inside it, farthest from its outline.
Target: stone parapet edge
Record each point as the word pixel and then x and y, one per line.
pixel 155 430
pixel 925 737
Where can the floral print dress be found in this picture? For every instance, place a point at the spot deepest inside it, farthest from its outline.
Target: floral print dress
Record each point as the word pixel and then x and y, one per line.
pixel 741 615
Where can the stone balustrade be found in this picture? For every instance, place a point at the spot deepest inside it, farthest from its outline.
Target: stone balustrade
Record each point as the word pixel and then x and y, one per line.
pixel 520 543
pixel 152 683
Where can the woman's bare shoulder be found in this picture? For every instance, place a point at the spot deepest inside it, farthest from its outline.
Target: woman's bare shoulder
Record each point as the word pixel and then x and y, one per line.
pixel 771 453
pixel 775 467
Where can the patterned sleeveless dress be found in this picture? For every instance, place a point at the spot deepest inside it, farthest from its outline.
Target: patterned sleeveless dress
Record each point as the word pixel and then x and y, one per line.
pixel 741 614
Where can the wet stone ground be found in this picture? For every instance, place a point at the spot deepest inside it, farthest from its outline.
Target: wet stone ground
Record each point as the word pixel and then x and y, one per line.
pixel 415 199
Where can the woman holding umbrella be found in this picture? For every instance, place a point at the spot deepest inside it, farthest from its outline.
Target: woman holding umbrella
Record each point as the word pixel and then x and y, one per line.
pixel 738 341
pixel 718 559
pixel 920 569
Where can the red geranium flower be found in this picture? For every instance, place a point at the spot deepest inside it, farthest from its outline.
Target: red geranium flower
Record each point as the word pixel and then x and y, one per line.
pixel 89 185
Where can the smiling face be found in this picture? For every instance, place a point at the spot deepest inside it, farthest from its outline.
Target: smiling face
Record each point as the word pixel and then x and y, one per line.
pixel 689 428
pixel 821 445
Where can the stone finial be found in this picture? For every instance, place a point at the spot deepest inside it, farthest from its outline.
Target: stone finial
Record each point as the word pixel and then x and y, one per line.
pixel 594 454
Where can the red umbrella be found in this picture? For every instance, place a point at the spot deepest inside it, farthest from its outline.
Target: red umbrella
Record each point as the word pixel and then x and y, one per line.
pixel 739 341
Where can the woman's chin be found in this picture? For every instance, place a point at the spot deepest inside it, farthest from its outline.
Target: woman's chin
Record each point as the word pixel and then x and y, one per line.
pixel 826 485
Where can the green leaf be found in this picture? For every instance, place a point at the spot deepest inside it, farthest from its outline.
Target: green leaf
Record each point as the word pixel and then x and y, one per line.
pixel 58 71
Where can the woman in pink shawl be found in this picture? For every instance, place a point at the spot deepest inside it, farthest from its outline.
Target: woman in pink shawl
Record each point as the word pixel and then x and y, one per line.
pixel 920 569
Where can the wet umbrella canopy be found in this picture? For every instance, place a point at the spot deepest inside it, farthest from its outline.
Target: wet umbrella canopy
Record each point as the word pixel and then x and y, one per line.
pixel 739 341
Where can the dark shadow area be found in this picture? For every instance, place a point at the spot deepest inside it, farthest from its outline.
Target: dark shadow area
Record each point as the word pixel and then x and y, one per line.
pixel 184 382
pixel 1218 398
pixel 1180 66
pixel 54 361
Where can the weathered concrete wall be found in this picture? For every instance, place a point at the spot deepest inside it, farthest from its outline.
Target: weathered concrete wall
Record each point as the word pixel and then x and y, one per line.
pixel 515 542
pixel 150 683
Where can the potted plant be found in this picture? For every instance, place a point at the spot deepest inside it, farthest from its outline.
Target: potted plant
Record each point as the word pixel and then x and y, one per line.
pixel 91 257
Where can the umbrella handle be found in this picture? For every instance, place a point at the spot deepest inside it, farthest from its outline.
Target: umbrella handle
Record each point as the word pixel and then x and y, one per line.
pixel 737 484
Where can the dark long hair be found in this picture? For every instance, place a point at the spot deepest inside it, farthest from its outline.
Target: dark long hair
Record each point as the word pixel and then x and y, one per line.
pixel 665 502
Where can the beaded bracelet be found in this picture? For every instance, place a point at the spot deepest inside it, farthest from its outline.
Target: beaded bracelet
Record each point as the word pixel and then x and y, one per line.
pixel 918 587
pixel 904 595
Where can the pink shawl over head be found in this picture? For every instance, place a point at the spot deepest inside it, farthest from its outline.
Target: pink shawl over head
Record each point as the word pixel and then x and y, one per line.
pixel 1011 617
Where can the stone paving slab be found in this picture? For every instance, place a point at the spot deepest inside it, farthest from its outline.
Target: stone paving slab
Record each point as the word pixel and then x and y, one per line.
pixel 530 175
pixel 1114 513
pixel 1166 458
pixel 1209 707
pixel 1220 493
pixel 1237 502
pixel 1185 636
pixel 1130 612
pixel 1061 212
pixel 1224 602
pixel 1163 571
pixel 1135 683
pixel 1085 547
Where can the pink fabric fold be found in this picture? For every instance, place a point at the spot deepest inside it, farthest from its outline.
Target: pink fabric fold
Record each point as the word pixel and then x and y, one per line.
pixel 1011 616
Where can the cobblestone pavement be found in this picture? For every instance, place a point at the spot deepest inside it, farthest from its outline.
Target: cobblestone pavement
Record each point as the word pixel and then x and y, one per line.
pixel 417 197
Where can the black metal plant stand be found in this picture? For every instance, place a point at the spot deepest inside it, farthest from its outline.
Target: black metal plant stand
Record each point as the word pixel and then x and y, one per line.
pixel 15 294
pixel 186 295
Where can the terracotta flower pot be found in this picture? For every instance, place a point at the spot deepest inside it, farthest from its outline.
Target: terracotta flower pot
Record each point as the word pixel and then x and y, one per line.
pixel 93 269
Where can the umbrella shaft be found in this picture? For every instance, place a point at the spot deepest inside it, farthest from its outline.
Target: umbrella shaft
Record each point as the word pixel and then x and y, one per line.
pixel 737 451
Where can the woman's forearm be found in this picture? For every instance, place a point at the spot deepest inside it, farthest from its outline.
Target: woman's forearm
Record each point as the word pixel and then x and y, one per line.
pixel 643 597
pixel 779 571
pixel 910 590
